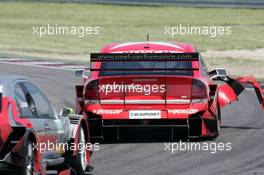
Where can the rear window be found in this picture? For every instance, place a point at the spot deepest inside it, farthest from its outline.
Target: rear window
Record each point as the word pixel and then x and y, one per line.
pixel 135 66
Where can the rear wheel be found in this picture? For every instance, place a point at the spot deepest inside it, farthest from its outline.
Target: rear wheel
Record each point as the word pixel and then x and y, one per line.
pixel 29 167
pixel 79 164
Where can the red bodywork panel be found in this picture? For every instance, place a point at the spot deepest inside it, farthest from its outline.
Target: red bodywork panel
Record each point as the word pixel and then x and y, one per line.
pixel 252 80
pixel 226 94
pixel 148 47
pixel 5 124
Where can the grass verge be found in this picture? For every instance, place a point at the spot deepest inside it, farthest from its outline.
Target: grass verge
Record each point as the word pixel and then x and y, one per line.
pixel 122 24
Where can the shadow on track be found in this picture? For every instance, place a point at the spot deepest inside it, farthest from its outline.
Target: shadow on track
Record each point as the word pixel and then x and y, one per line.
pixel 147 135
pixel 240 127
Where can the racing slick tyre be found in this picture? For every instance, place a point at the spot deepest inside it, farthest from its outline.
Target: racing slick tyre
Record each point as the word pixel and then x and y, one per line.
pixel 79 163
pixel 217 124
pixel 29 167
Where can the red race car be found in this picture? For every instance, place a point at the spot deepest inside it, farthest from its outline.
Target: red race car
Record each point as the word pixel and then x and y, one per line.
pixel 33 138
pixel 155 84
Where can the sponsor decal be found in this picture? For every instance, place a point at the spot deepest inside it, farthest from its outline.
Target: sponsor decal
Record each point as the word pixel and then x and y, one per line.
pixel 23 104
pixel 182 111
pixel 139 56
pixel 145 114
pixel 108 111
pixel 149 51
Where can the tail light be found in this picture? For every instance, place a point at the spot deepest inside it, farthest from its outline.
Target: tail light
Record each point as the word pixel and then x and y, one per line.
pixel 1 96
pixel 92 95
pixel 199 91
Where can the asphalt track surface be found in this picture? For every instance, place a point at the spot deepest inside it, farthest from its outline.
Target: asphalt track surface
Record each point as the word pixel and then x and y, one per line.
pixel 243 126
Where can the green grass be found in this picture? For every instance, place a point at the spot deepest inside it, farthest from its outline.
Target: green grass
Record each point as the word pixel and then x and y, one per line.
pixel 122 24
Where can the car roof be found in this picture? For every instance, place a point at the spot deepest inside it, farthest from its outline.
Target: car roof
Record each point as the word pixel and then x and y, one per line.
pixel 8 81
pixel 150 47
pixel 9 78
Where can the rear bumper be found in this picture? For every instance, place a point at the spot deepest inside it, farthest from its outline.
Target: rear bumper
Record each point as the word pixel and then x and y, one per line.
pixel 190 128
pixel 173 128
pixel 145 123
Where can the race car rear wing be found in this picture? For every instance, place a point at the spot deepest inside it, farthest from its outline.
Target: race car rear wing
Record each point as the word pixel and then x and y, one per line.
pixel 144 56
pixel 158 57
pixel 127 57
